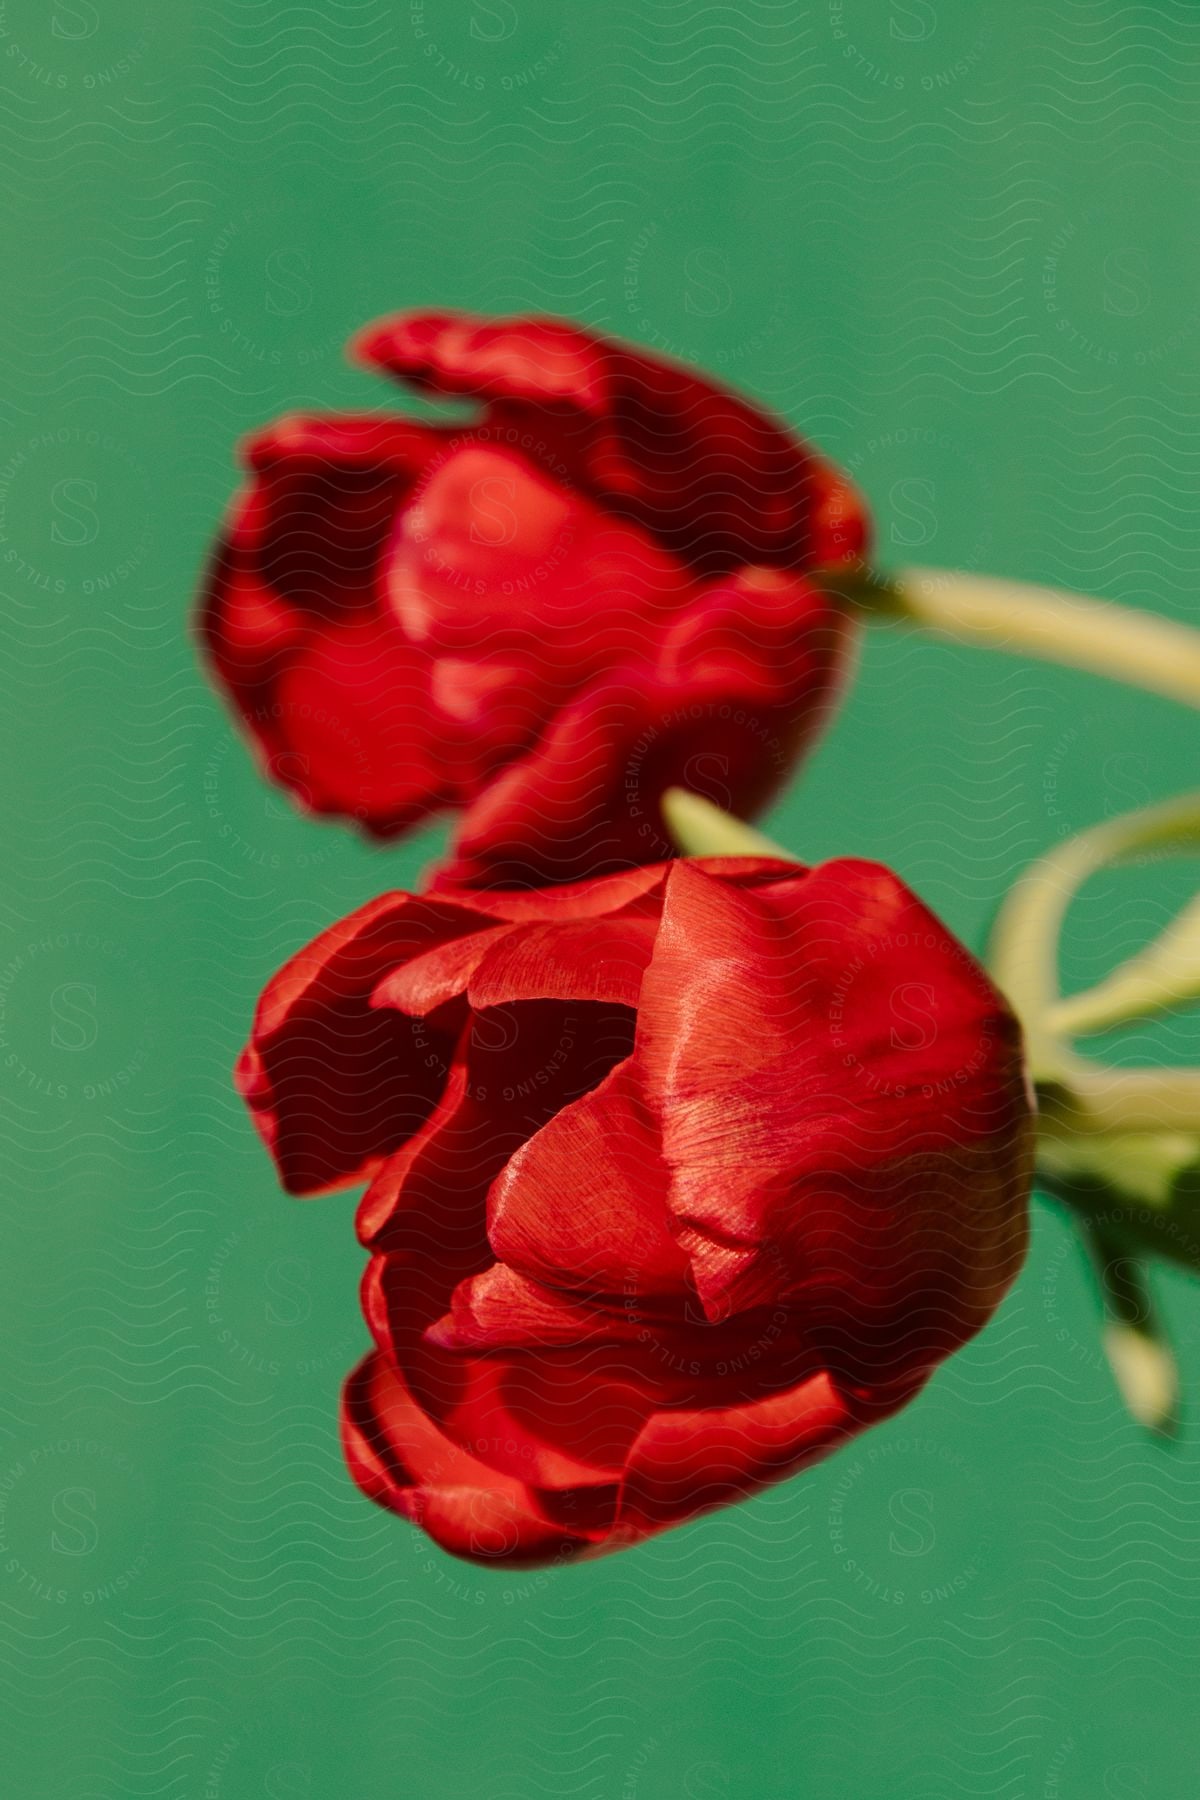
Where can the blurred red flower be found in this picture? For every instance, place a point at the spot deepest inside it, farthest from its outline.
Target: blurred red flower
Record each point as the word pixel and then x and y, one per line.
pixel 594 589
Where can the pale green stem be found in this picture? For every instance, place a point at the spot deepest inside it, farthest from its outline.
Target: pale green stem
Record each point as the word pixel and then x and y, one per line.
pixel 701 829
pixel 1163 978
pixel 1139 649
pixel 1102 1100
pixel 1024 951
pixel 1084 1096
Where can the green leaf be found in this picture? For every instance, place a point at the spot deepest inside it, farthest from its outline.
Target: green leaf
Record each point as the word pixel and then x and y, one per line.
pixel 1135 1338
pixel 1141 1188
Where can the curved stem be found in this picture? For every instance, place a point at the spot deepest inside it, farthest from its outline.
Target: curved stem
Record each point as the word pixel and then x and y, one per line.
pixel 1084 1096
pixel 1164 977
pixel 1139 649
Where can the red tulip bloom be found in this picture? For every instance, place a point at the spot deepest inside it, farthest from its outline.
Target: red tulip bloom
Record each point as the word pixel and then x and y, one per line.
pixel 596 589
pixel 678 1179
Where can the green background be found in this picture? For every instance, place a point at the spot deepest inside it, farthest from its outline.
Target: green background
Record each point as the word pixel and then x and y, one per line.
pixel 955 244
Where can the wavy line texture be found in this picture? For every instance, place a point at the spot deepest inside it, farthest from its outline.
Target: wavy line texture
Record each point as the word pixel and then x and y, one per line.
pixel 953 245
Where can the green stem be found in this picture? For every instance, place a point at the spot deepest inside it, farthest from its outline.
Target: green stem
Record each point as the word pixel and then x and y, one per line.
pixel 1164 977
pixel 1139 649
pixel 701 829
pixel 1087 1099
pixel 1024 949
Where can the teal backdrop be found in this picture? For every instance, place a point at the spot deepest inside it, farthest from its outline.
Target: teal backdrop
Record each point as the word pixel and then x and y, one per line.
pixel 954 242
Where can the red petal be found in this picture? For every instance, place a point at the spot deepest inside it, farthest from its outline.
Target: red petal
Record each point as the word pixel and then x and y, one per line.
pixel 685 1463
pixel 560 813
pixel 496 562
pixel 733 692
pixel 413 1201
pixel 333 1084
pixel 542 360
pixel 429 1199
pixel 583 1204
pixel 319 515
pixel 375 442
pixel 592 959
pixel 355 711
pixel 841 529
pixel 595 959
pixel 818 1151
pixel 503 1310
pixel 250 628
pixel 591 899
pixel 338 704
pixel 680 1360
pixel 401 1460
pixel 515 1068
pixel 715 477
pixel 429 981
pixel 560 1422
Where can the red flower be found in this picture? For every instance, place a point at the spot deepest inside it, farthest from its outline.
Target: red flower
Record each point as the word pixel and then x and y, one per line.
pixel 679 1179
pixel 594 591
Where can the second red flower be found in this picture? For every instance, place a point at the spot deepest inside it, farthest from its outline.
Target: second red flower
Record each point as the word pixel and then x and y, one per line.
pixel 595 589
